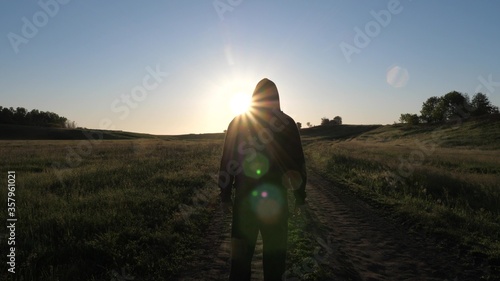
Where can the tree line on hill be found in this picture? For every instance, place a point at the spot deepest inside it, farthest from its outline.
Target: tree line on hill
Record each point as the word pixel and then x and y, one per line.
pixel 451 106
pixel 35 117
pixel 325 121
pixel 337 120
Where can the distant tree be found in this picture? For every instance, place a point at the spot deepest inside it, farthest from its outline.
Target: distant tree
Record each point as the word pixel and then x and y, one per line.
pixel 7 115
pixel 337 120
pixel 20 115
pixel 408 118
pixel 309 124
pixel 325 121
pixel 34 114
pixel 481 105
pixel 456 105
pixel 299 125
pixel 451 106
pixel 34 117
pixel 433 110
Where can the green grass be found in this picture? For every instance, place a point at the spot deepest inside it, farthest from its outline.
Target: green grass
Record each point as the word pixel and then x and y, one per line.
pixel 306 256
pixel 479 132
pixel 124 208
pixel 133 207
pixel 128 207
pixel 444 180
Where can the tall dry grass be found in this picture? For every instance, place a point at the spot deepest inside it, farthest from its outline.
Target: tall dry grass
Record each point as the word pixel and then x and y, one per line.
pixel 112 210
pixel 443 190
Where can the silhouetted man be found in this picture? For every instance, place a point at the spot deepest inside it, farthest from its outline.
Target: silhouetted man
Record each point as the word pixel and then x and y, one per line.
pixel 262 159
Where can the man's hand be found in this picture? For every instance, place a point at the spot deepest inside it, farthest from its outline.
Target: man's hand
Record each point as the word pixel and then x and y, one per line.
pixel 227 207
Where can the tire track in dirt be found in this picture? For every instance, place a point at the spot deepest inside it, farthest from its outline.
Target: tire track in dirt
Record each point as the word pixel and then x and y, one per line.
pixel 371 245
pixel 214 260
pixel 364 244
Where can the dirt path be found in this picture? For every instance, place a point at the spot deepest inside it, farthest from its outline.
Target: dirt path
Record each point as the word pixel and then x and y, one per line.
pixel 373 247
pixel 357 243
pixel 214 263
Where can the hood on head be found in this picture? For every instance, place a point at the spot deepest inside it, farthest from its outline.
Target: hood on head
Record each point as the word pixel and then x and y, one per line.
pixel 265 96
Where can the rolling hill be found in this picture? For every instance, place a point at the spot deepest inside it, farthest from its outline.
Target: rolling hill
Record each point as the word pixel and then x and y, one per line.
pixel 483 132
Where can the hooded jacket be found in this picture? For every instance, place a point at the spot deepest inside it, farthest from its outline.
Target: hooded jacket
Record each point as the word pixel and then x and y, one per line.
pixel 262 147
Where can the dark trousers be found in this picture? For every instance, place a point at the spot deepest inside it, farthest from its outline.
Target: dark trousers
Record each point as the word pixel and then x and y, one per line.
pixel 272 221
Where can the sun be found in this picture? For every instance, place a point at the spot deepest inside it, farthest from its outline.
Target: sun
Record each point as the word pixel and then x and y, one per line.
pixel 240 103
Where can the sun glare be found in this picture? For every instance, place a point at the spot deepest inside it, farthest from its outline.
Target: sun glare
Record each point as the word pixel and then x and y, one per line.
pixel 240 103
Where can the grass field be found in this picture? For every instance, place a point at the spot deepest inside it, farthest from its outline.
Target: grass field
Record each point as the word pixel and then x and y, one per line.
pixel 122 209
pixel 117 209
pixel 442 180
pixel 132 208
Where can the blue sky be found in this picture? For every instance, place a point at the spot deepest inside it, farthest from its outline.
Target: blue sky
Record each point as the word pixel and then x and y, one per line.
pixel 172 67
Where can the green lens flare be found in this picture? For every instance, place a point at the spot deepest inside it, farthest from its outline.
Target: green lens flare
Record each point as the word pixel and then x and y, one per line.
pixel 256 166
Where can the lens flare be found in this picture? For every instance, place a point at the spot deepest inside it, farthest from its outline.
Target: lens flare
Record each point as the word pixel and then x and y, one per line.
pixel 256 167
pixel 271 205
pixel 397 77
pixel 269 210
